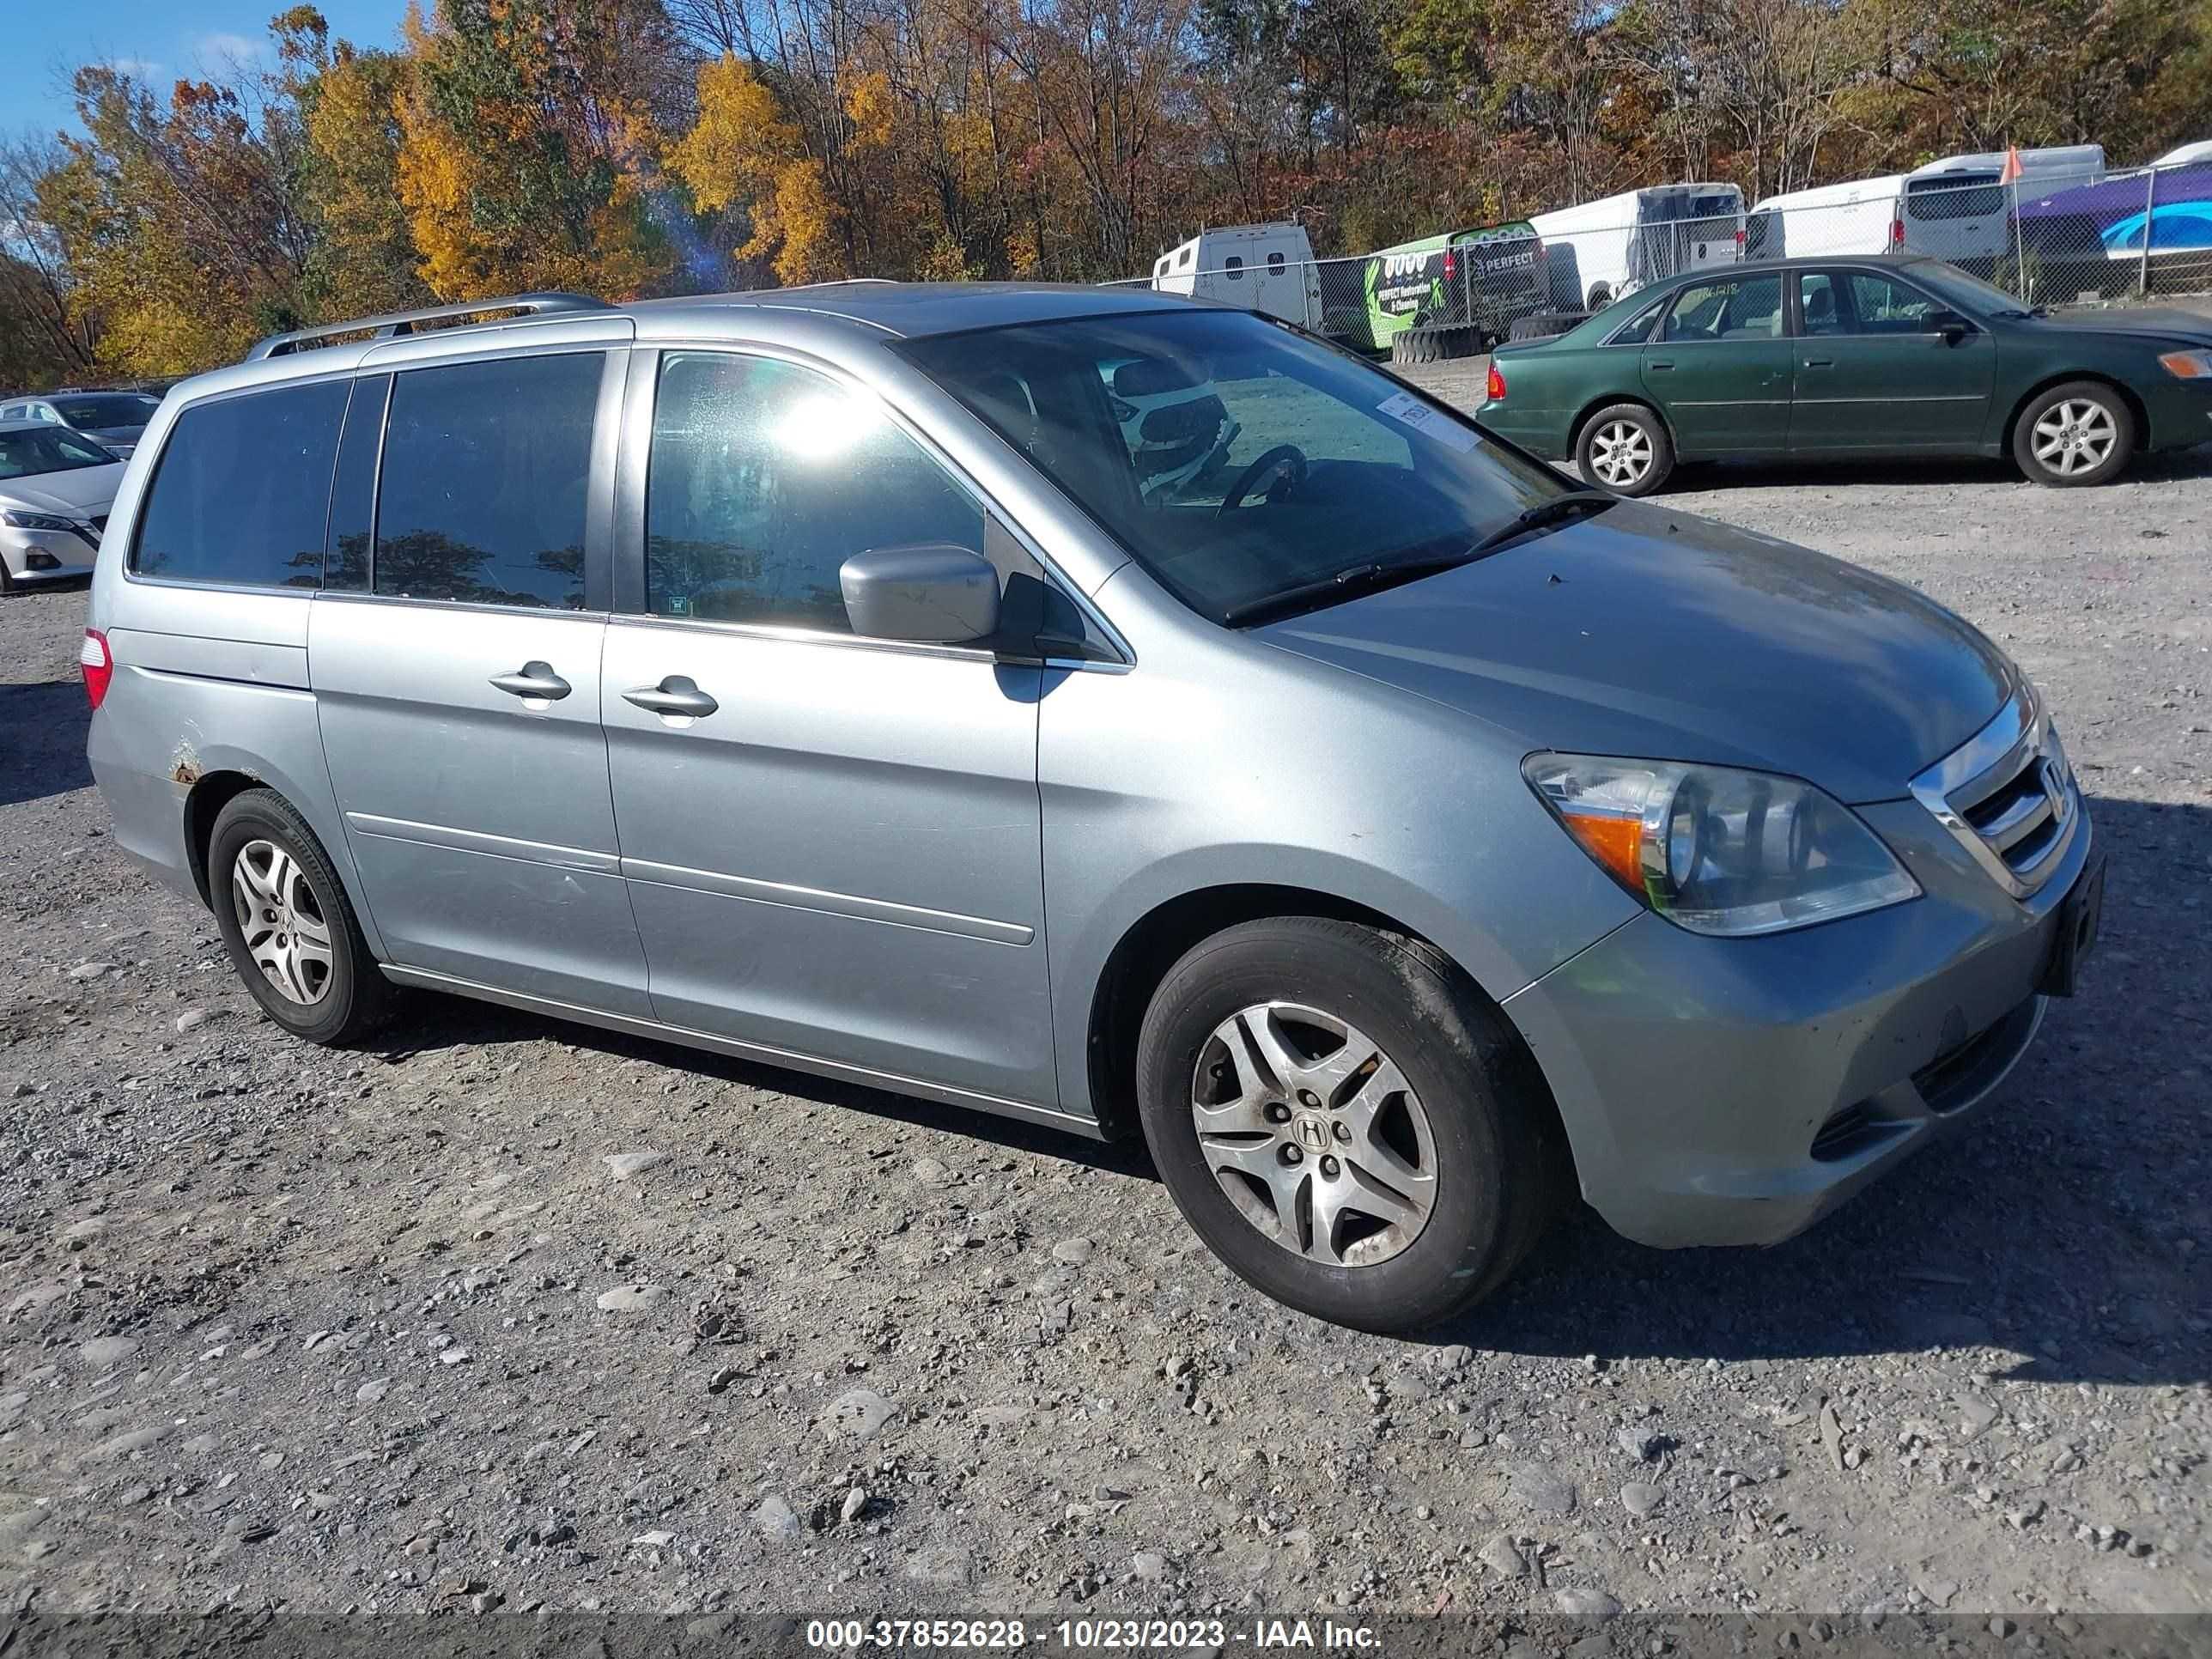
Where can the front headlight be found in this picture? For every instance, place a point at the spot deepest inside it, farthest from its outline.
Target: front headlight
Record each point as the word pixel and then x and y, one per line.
pixel 15 518
pixel 1717 850
pixel 2187 365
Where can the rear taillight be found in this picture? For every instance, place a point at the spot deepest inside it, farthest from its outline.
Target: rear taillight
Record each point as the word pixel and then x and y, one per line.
pixel 1739 245
pixel 94 662
pixel 1896 232
pixel 1451 266
pixel 1494 388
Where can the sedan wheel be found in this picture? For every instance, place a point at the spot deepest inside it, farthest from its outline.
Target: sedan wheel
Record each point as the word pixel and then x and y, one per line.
pixel 1623 450
pixel 1620 453
pixel 2077 434
pixel 1314 1134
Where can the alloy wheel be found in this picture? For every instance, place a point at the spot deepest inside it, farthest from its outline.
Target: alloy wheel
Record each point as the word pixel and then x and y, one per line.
pixel 1620 453
pixel 1314 1134
pixel 284 928
pixel 2075 436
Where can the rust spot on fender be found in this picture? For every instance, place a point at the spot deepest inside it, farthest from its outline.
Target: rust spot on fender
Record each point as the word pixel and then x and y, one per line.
pixel 185 764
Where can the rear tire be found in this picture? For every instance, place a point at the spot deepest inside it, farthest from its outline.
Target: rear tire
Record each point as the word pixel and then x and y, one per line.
pixel 289 925
pixel 2079 432
pixel 1624 449
pixel 1546 325
pixel 1452 1120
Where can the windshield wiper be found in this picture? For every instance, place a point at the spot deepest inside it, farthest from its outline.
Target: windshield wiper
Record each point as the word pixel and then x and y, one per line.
pixel 1558 510
pixel 1330 590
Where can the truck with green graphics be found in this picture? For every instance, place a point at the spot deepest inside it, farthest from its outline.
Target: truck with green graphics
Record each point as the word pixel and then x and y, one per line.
pixel 1448 296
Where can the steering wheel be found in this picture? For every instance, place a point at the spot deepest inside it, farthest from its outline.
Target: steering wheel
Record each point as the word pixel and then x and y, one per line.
pixel 1288 456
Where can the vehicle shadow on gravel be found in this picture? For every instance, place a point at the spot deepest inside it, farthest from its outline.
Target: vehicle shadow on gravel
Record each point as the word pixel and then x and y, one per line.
pixel 45 724
pixel 2044 1233
pixel 2167 467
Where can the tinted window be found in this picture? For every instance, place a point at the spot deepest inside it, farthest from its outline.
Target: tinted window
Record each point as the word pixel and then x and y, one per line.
pixel 1235 265
pixel 109 409
pixel 1274 262
pixel 243 489
pixel 485 472
pixel 764 478
pixel 1638 330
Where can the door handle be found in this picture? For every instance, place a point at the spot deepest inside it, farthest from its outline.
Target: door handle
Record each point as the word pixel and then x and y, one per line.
pixel 679 694
pixel 1820 363
pixel 1669 364
pixel 533 679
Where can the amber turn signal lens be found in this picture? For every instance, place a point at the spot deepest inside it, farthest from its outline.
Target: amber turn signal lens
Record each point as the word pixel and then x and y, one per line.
pixel 2187 365
pixel 1615 842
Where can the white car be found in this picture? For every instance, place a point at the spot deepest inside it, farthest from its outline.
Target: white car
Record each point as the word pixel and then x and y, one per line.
pixel 56 487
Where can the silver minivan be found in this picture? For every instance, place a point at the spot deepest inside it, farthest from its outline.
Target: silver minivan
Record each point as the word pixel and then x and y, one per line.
pixel 1118 712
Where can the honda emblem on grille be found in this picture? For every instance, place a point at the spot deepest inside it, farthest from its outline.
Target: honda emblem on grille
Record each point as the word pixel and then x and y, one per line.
pixel 2054 788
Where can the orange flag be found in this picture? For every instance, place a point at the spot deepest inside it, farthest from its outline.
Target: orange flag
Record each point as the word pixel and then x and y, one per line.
pixel 2012 167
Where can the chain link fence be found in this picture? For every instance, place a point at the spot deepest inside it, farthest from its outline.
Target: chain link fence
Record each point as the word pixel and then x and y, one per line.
pixel 2048 239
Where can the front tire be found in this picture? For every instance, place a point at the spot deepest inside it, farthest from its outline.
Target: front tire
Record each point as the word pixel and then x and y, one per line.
pixel 288 924
pixel 1345 1121
pixel 2080 432
pixel 1623 450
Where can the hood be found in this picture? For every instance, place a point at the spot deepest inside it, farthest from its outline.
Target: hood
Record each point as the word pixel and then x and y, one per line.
pixel 2148 325
pixel 81 492
pixel 1647 633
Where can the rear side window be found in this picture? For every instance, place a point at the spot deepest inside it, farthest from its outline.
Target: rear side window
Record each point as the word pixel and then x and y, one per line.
pixel 242 491
pixel 486 469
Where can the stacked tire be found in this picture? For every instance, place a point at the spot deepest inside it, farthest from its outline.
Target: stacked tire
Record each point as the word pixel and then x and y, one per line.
pixel 1545 325
pixel 1433 345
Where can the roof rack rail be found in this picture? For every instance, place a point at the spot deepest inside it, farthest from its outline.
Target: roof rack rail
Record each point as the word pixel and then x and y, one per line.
pixel 395 323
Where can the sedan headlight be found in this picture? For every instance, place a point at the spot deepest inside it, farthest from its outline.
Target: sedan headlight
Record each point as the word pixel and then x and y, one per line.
pixel 15 518
pixel 2187 365
pixel 1717 850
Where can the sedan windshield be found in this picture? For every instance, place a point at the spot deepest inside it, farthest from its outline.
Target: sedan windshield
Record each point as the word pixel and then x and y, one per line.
pixel 1254 472
pixel 23 454
pixel 108 408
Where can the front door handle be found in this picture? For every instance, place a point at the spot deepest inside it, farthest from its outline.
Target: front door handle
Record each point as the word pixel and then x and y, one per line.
pixel 679 694
pixel 1661 365
pixel 533 679
pixel 1820 363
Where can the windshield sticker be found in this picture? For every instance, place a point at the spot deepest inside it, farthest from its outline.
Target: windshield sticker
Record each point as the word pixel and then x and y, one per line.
pixel 1430 422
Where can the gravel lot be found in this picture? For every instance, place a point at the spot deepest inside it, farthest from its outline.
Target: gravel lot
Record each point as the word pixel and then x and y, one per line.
pixel 502 1313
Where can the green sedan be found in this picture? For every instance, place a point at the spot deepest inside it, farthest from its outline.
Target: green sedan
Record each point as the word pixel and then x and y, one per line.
pixel 1851 358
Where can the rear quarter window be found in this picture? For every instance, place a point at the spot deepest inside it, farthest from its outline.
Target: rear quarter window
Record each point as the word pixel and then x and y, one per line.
pixel 242 491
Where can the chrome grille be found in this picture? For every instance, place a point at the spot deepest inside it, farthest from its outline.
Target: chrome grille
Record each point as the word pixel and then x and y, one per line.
pixel 2009 796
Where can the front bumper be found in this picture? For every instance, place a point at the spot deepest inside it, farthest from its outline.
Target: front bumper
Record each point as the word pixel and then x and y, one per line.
pixel 46 556
pixel 1733 1091
pixel 2180 412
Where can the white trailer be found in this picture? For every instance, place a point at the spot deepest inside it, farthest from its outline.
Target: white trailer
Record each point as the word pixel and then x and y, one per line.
pixel 1957 209
pixel 1264 268
pixel 1599 251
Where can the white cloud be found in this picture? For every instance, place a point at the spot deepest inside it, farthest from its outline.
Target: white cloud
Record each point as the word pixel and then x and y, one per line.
pixel 141 69
pixel 226 48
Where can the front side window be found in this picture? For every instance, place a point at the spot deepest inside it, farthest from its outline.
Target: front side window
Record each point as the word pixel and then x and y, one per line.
pixel 1233 459
pixel 23 454
pixel 762 480
pixel 243 489
pixel 1879 305
pixel 486 469
pixel 1735 308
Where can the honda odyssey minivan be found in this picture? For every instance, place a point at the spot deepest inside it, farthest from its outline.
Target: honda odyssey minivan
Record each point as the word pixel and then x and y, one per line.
pixel 1396 839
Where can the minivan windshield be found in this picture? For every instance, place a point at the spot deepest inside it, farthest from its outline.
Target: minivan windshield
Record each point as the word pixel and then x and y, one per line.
pixel 26 452
pixel 1254 472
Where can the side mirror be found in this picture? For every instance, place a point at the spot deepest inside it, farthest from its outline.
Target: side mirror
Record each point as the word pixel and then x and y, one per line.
pixel 1949 324
pixel 931 593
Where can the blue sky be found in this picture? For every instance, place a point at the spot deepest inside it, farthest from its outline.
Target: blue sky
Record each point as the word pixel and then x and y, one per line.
pixel 43 41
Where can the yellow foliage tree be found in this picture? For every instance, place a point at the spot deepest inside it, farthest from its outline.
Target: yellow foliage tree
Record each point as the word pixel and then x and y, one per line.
pixel 744 152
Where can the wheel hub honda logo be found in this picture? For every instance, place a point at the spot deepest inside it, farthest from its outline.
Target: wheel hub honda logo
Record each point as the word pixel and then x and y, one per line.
pixel 1313 1132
